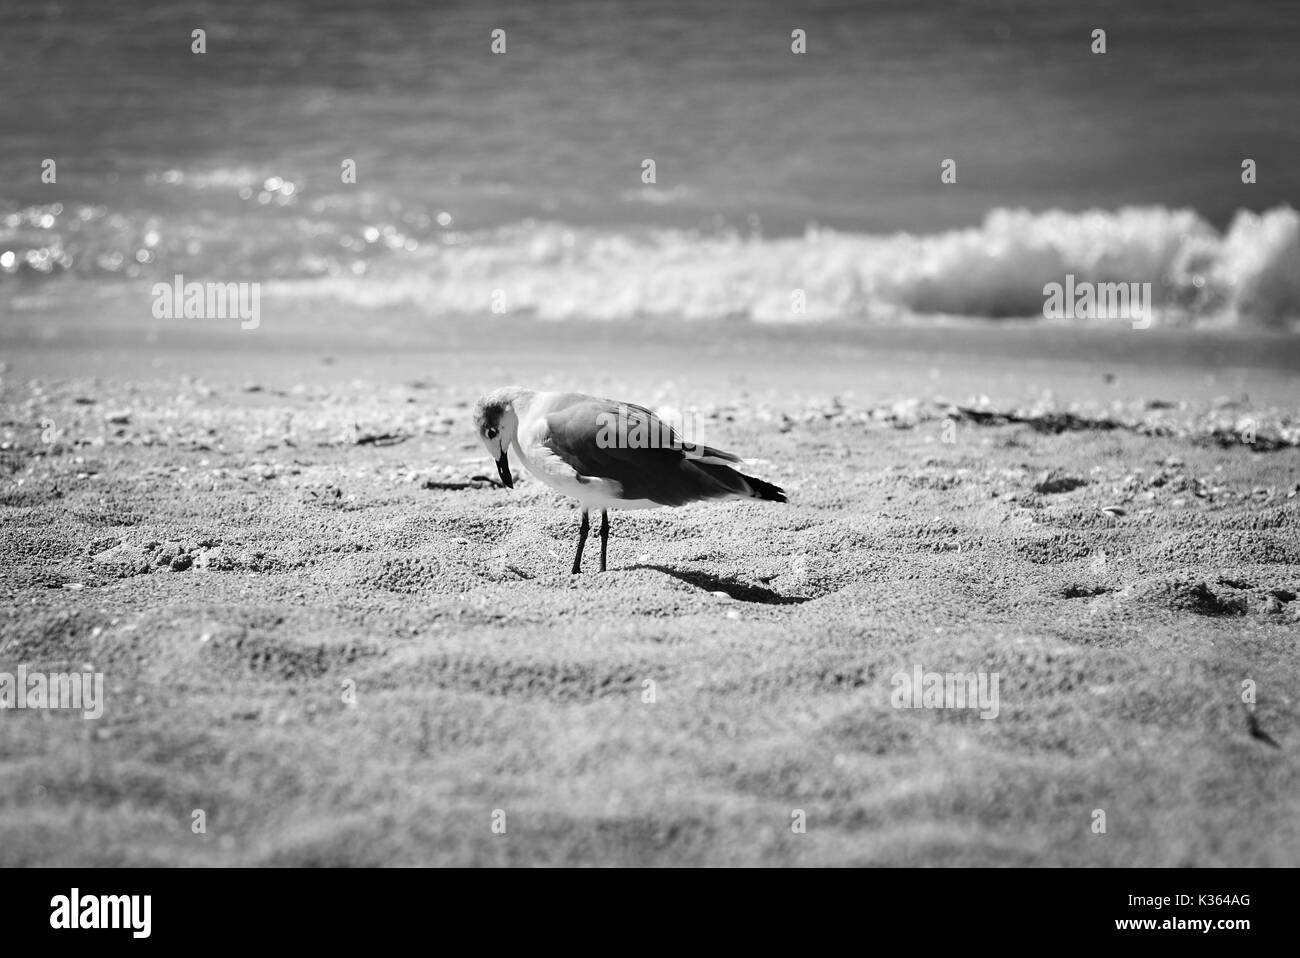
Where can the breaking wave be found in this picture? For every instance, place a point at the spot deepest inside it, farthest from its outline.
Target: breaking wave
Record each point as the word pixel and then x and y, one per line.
pixel 1248 274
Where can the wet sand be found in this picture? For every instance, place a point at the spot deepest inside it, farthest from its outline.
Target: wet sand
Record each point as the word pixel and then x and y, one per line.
pixel 319 628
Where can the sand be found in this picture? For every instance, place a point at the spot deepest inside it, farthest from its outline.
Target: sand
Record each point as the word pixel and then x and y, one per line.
pixel 319 629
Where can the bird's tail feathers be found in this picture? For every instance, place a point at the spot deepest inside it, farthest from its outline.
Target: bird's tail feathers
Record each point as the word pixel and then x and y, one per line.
pixel 723 481
pixel 764 490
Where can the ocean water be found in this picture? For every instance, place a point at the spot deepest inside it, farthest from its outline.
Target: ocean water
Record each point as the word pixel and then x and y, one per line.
pixel 520 175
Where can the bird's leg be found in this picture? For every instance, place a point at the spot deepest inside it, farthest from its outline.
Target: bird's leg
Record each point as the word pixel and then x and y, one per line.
pixel 604 536
pixel 582 541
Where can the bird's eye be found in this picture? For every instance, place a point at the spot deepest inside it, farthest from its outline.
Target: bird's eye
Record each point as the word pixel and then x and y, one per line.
pixel 491 432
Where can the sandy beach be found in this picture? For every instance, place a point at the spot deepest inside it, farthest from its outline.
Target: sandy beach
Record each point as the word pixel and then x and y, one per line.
pixel 320 626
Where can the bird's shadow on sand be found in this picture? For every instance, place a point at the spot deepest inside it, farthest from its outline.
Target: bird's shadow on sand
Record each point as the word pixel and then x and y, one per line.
pixel 740 591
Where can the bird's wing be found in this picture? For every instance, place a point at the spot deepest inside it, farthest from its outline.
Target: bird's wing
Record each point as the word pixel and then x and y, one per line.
pixel 692 450
pixel 611 415
pixel 560 472
pixel 540 449
pixel 591 436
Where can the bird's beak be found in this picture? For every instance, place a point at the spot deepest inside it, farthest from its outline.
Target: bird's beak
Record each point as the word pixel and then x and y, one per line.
pixel 503 470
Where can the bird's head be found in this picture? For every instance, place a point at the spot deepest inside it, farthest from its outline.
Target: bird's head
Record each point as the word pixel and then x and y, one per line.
pixel 497 424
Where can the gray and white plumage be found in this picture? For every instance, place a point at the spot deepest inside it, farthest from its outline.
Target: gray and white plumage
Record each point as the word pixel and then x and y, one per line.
pixel 564 439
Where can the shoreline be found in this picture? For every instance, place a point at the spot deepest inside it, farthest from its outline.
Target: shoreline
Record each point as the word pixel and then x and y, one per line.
pixel 323 342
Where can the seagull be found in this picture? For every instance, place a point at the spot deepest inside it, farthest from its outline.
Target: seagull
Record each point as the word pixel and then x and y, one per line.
pixel 607 455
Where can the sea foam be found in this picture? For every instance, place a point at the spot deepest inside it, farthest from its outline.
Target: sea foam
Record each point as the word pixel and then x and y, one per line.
pixel 1248 275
